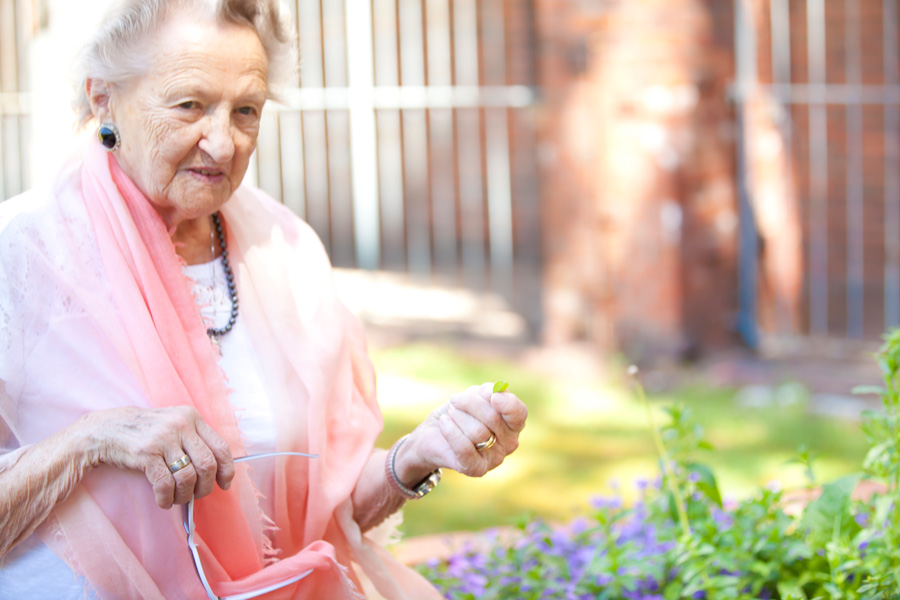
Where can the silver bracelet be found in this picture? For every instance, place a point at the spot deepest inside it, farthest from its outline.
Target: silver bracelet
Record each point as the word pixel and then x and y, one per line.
pixel 420 489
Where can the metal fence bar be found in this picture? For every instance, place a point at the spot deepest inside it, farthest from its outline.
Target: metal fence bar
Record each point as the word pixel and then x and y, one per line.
pixel 384 18
pixel 315 149
pixel 293 181
pixel 3 186
pixel 269 144
pixel 315 153
pixel 309 26
pixel 854 177
pixel 414 96
pixel 891 172
pixel 24 35
pixel 390 143
pixel 499 185
pixel 290 148
pixel 338 137
pixel 748 241
pixel 526 296
pixel 818 171
pixel 780 17
pixel 390 177
pixel 469 154
pixel 415 140
pixel 7 51
pixel 363 145
pixel 391 187
pixel 334 43
pixel 340 198
pixel 11 166
pixel 833 93
pixel 443 168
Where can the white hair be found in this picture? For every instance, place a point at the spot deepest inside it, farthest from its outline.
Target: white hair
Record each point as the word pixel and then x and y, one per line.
pixel 117 55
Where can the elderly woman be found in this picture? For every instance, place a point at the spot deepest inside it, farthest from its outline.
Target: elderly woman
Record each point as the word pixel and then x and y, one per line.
pixel 159 321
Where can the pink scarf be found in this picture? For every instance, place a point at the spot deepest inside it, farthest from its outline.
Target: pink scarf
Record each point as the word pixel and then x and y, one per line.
pixel 314 363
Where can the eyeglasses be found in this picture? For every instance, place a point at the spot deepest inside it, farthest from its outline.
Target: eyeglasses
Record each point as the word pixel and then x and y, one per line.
pixel 189 527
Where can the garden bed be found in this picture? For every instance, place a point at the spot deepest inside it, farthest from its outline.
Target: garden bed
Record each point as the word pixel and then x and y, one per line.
pixel 680 540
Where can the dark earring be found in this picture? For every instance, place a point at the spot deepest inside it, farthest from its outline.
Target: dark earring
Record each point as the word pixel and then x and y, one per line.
pixel 109 136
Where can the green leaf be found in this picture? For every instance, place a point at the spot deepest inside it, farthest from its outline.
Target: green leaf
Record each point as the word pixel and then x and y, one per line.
pixel 884 506
pixel 876 455
pixel 707 482
pixel 500 386
pixel 834 503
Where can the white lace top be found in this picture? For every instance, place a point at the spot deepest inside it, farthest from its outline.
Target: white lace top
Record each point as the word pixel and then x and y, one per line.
pixel 255 419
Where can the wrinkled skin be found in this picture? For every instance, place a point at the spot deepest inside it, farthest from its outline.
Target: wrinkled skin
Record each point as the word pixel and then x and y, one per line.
pixel 448 436
pixel 189 126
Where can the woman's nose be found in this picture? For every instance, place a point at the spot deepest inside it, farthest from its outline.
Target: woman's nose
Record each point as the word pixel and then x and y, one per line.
pixel 218 141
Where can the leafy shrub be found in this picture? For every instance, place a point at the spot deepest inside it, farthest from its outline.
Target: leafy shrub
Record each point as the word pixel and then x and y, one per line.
pixel 680 541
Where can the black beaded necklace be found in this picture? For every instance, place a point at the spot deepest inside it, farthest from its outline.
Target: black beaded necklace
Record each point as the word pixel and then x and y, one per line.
pixel 213 332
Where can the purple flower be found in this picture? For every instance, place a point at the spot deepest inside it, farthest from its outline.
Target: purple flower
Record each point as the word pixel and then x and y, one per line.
pixel 606 503
pixel 722 518
pixel 579 526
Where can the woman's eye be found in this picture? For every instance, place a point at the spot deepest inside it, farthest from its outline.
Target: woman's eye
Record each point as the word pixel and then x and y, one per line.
pixel 188 105
pixel 246 110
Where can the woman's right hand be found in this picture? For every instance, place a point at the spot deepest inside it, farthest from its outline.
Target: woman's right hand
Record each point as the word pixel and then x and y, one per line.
pixel 149 440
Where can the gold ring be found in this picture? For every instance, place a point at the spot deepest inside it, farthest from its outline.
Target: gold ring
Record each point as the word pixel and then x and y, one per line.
pixel 180 463
pixel 488 444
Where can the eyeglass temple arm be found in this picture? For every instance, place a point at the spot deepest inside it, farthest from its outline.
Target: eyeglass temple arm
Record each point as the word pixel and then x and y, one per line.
pixel 188 520
pixel 271 454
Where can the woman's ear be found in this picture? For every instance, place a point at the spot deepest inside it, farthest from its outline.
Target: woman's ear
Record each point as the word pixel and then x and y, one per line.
pixel 99 93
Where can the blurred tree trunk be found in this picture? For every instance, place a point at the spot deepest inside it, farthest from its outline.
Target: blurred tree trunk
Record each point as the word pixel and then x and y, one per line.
pixel 637 147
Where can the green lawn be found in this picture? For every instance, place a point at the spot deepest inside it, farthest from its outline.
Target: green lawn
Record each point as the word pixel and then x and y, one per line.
pixel 590 437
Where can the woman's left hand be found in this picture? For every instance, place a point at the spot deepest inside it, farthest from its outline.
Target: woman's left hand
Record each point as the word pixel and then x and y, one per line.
pixel 450 436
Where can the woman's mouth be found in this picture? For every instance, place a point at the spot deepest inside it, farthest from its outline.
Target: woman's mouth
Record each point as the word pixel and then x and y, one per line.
pixel 208 175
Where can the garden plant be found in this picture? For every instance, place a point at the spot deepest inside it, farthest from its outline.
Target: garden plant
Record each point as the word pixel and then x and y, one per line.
pixel 680 540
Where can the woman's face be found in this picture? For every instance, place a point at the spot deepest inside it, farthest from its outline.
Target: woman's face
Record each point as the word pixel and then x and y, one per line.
pixel 189 126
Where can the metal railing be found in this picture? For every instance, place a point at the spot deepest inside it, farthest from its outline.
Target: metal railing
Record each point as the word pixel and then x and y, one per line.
pixel 409 144
pixel 851 184
pixel 18 20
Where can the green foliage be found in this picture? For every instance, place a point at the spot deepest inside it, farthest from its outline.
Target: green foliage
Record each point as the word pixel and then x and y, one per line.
pixel 586 432
pixel 680 540
pixel 806 458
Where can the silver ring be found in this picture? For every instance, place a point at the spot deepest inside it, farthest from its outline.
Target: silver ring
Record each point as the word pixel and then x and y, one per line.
pixel 487 444
pixel 180 463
